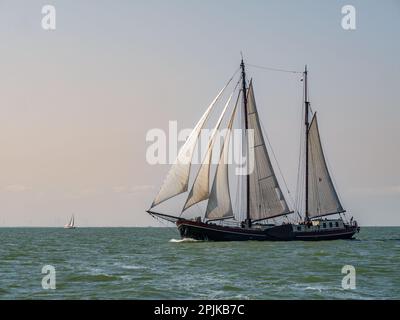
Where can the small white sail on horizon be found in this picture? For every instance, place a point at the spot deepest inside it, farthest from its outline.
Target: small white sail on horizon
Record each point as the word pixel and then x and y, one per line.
pixel 71 223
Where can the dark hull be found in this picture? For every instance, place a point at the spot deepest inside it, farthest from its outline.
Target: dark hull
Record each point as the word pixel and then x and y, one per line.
pixel 212 232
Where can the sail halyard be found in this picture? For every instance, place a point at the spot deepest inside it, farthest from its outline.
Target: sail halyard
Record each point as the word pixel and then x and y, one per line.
pixel 200 187
pixel 176 181
pixel 219 205
pixel 266 199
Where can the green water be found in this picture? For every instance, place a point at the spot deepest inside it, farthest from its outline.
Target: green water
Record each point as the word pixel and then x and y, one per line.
pixel 146 263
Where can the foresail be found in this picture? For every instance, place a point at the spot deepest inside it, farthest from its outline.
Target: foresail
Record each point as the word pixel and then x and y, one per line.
pixel 266 198
pixel 322 196
pixel 200 188
pixel 219 204
pixel 177 178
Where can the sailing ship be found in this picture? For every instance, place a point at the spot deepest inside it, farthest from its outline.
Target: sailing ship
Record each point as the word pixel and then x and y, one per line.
pixel 71 223
pixel 264 201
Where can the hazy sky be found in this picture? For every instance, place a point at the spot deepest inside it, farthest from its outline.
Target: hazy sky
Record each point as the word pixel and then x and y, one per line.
pixel 76 103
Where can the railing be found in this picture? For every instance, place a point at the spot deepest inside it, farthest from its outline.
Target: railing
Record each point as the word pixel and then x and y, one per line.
pixel 229 223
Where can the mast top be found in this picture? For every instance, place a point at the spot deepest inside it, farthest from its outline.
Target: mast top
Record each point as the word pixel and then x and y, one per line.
pixel 306 93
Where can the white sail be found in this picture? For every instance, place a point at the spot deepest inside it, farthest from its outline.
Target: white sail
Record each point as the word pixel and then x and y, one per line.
pixel 322 196
pixel 200 188
pixel 71 223
pixel 266 198
pixel 219 204
pixel 177 178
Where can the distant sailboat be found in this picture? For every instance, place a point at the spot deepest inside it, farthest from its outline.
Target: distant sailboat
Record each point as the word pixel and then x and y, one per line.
pixel 71 223
pixel 263 196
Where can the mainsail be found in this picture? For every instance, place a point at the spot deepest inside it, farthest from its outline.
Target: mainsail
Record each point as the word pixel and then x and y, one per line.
pixel 177 178
pixel 200 188
pixel 322 196
pixel 265 196
pixel 219 204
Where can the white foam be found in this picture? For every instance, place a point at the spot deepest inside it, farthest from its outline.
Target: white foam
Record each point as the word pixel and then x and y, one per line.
pixel 129 266
pixel 314 288
pixel 133 267
pixel 183 240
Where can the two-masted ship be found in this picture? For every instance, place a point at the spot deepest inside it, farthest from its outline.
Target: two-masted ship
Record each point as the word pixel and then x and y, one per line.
pixel 264 201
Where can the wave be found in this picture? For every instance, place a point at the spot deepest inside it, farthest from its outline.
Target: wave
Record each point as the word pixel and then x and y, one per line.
pixel 132 267
pixel 93 277
pixel 319 289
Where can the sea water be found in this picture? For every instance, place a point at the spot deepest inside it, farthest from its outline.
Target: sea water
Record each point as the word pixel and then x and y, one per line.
pixel 154 263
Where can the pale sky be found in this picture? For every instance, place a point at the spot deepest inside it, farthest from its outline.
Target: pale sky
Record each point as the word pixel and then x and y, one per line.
pixel 76 103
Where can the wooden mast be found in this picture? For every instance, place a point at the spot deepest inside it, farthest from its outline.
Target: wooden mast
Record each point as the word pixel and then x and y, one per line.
pixel 244 91
pixel 307 105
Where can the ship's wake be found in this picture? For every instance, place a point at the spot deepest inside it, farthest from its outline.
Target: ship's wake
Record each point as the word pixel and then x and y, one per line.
pixel 183 240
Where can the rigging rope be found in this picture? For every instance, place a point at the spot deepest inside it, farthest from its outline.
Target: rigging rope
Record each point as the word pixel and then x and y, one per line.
pixel 165 225
pixel 277 164
pixel 273 69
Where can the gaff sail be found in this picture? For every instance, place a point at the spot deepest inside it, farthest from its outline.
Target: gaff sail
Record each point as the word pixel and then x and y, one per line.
pixel 265 196
pixel 322 195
